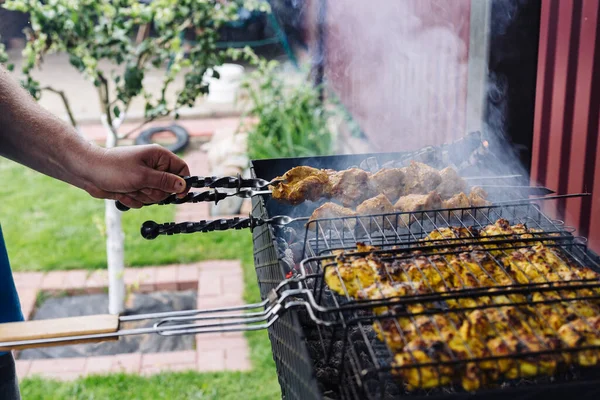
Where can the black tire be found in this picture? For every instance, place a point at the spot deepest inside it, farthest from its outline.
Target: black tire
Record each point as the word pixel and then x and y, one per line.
pixel 182 136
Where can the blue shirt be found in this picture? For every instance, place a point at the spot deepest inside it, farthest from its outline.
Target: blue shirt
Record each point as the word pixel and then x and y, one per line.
pixel 10 308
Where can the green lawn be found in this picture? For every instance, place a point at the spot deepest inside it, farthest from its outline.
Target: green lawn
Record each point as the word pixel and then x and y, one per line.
pixel 48 225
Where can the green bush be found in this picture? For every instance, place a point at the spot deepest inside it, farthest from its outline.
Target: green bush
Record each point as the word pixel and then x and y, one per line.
pixel 292 121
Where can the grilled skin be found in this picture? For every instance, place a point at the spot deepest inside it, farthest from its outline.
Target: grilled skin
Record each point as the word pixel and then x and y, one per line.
pixel 379 204
pixel 352 186
pixel 302 183
pixel 516 324
pixel 332 210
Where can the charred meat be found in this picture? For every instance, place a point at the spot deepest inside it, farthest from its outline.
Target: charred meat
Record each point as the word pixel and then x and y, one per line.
pixel 420 178
pixel 389 182
pixel 451 183
pixel 332 210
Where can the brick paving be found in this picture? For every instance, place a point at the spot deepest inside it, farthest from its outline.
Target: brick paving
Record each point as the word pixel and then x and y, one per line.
pixel 219 284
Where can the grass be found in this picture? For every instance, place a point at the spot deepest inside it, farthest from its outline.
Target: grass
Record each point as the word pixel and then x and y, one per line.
pixel 49 225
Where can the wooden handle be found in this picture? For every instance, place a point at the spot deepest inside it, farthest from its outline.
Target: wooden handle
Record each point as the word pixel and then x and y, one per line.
pixel 57 328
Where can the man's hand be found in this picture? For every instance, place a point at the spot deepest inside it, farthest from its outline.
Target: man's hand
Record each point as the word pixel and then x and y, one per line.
pixel 134 175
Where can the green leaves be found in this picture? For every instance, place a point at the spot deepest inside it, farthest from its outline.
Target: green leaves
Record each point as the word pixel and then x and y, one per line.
pixel 99 36
pixel 291 120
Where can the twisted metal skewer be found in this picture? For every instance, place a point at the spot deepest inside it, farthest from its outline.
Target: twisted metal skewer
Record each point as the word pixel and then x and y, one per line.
pixel 151 230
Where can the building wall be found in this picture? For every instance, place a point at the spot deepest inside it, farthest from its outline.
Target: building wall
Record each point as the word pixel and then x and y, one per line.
pixel 566 150
pixel 400 68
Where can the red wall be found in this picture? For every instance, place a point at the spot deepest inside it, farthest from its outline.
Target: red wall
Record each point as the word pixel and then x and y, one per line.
pixel 566 152
pixel 400 67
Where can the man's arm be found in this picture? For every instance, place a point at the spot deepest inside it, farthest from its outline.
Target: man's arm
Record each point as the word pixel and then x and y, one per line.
pixel 32 136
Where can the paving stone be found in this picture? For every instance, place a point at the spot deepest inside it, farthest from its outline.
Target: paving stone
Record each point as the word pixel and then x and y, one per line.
pixel 166 278
pixel 58 366
pixel 210 286
pixel 142 278
pixel 233 284
pixel 128 363
pixel 53 281
pixel 223 267
pixel 75 279
pixel 211 360
pixel 168 358
pixel 187 277
pixel 28 280
pixel 22 368
pixel 97 281
pixel 99 365
pixel 27 297
pixel 237 359
pixel 221 344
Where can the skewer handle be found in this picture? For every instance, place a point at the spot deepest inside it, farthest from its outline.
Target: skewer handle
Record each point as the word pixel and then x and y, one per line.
pixel 151 230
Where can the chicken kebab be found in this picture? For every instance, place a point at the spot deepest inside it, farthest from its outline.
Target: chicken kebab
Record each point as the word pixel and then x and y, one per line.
pixel 352 186
pixel 414 188
pixel 424 335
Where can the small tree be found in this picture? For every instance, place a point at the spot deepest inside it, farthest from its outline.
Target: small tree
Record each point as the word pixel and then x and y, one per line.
pixel 91 31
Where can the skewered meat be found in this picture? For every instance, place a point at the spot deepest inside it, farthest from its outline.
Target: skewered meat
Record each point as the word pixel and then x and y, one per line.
pixel 420 178
pixel 301 184
pixel 451 183
pixel 457 201
pixel 478 197
pixel 419 202
pixel 376 205
pixel 332 210
pixel 350 186
pixel 390 182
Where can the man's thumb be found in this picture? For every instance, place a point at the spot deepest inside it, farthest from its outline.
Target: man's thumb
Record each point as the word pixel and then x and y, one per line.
pixel 167 182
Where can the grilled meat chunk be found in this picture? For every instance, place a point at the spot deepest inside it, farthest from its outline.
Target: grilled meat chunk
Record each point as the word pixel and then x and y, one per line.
pixel 457 201
pixel 418 352
pixel 332 210
pixel 301 184
pixel 478 197
pixel 420 178
pixel 376 205
pixel 348 277
pixel 388 181
pixel 350 187
pixel 451 183
pixel 419 202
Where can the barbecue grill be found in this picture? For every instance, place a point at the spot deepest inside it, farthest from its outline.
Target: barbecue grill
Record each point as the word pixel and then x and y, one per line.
pixel 340 356
pixel 326 344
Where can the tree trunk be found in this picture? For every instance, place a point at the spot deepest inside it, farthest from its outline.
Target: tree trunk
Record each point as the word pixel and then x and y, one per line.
pixel 115 254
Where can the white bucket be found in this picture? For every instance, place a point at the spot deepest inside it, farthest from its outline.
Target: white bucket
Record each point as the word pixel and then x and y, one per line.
pixel 224 89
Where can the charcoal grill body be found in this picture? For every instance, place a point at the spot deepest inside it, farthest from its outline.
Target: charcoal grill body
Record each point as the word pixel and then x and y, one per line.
pixel 306 371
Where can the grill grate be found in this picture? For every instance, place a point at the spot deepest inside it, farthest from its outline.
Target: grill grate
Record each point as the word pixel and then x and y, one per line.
pixel 367 368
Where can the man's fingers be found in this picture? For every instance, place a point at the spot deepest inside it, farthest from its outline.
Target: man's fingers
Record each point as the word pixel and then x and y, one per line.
pixel 155 195
pixel 129 201
pixel 165 182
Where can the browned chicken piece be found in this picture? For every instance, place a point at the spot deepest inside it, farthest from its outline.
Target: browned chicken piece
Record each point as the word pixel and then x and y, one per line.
pixel 389 181
pixel 350 187
pixel 419 202
pixel 301 184
pixel 457 201
pixel 478 197
pixel 420 178
pixel 376 205
pixel 451 184
pixel 332 210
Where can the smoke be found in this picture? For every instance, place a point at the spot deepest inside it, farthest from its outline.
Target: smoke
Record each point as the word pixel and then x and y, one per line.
pixel 408 72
